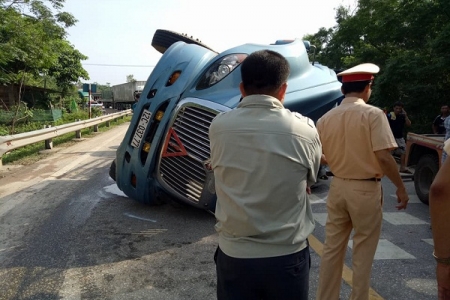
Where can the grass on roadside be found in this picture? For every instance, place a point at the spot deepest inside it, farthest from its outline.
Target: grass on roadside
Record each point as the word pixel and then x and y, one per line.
pixel 29 154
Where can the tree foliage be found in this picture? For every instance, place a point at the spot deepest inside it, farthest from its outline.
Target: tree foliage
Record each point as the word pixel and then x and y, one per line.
pixel 408 39
pixel 33 45
pixel 130 78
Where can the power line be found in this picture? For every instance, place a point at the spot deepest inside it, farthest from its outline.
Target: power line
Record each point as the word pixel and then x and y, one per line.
pixel 110 65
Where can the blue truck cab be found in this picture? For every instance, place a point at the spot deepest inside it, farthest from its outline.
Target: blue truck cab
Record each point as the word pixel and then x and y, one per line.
pixel 165 152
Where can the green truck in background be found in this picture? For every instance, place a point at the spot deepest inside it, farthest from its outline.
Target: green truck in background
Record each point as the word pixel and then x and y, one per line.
pixel 124 95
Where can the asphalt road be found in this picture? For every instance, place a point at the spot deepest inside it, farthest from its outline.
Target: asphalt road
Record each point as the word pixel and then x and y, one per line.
pixel 67 232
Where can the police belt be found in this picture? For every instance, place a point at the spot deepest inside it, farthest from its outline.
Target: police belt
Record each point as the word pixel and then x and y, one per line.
pixel 365 179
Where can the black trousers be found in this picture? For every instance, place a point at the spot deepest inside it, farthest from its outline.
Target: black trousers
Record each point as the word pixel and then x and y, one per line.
pixel 282 277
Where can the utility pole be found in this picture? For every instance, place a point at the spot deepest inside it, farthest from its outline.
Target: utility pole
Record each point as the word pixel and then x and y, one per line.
pixel 89 101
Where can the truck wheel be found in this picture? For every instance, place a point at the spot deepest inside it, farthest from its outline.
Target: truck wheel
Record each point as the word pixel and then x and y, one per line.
pixel 112 170
pixel 163 39
pixel 424 174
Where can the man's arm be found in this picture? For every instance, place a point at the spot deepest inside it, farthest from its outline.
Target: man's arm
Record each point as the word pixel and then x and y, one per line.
pixel 389 168
pixel 407 120
pixel 315 160
pixel 440 210
pixel 434 126
pixel 440 214
pixel 434 129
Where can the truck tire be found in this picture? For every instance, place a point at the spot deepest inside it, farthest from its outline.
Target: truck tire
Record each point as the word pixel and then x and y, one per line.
pixel 163 39
pixel 112 170
pixel 426 170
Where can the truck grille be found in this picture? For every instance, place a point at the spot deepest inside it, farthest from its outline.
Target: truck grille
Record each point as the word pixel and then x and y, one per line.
pixel 185 173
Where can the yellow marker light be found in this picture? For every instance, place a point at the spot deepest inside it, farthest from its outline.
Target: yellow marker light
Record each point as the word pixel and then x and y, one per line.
pixel 159 115
pixel 146 147
pixel 175 75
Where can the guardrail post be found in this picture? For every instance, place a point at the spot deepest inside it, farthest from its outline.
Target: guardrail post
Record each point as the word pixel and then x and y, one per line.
pixel 78 132
pixel 108 123
pixel 96 128
pixel 49 142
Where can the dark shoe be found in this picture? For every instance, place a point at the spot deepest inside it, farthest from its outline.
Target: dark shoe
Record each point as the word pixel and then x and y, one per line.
pixel 406 172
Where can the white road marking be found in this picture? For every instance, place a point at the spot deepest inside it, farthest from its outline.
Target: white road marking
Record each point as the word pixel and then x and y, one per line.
pixel 139 218
pixel 314 199
pixel 387 250
pixel 150 232
pixel 7 249
pixel 429 241
pixel 412 198
pixel 424 286
pixel 402 218
pixel 321 218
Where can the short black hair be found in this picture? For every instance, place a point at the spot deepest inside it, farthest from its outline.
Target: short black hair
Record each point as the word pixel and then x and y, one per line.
pixel 264 72
pixel 398 103
pixel 354 86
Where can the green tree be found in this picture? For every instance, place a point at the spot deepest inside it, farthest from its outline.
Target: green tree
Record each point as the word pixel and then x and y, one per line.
pixel 320 41
pixel 105 90
pixel 67 69
pixel 33 46
pixel 130 78
pixel 409 40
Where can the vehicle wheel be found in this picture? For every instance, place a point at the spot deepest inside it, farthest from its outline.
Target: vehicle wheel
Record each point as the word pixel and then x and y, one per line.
pixel 163 39
pixel 424 174
pixel 112 170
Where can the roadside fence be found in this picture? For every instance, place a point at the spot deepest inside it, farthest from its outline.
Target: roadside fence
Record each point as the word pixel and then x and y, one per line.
pixel 11 142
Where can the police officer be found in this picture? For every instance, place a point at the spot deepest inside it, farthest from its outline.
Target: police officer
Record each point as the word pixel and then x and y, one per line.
pixel 356 140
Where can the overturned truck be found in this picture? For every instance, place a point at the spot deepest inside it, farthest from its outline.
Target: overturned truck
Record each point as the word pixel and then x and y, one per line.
pixel 165 152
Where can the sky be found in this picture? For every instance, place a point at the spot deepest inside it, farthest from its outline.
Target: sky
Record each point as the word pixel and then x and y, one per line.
pixel 116 35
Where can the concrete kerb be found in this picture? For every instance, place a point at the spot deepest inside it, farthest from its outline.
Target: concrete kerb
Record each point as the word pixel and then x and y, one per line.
pixel 48 151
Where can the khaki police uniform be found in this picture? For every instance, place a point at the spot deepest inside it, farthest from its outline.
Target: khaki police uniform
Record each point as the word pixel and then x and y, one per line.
pixel 350 134
pixel 447 146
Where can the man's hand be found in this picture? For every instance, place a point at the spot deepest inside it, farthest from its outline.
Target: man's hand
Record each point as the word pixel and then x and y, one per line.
pixel 443 280
pixel 390 169
pixel 308 190
pixel 402 198
pixel 323 160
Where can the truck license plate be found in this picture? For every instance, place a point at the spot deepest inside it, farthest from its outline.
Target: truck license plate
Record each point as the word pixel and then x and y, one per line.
pixel 140 129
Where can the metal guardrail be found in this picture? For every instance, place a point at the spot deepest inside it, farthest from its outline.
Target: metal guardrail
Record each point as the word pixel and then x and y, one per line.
pixel 11 142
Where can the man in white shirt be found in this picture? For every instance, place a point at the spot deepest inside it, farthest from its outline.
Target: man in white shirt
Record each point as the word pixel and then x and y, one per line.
pixel 264 159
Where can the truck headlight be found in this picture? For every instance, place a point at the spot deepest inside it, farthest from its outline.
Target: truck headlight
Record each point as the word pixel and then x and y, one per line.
pixel 220 69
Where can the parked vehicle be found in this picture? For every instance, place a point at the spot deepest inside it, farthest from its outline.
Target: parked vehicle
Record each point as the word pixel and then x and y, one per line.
pixel 94 103
pixel 124 95
pixel 165 152
pixel 424 151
